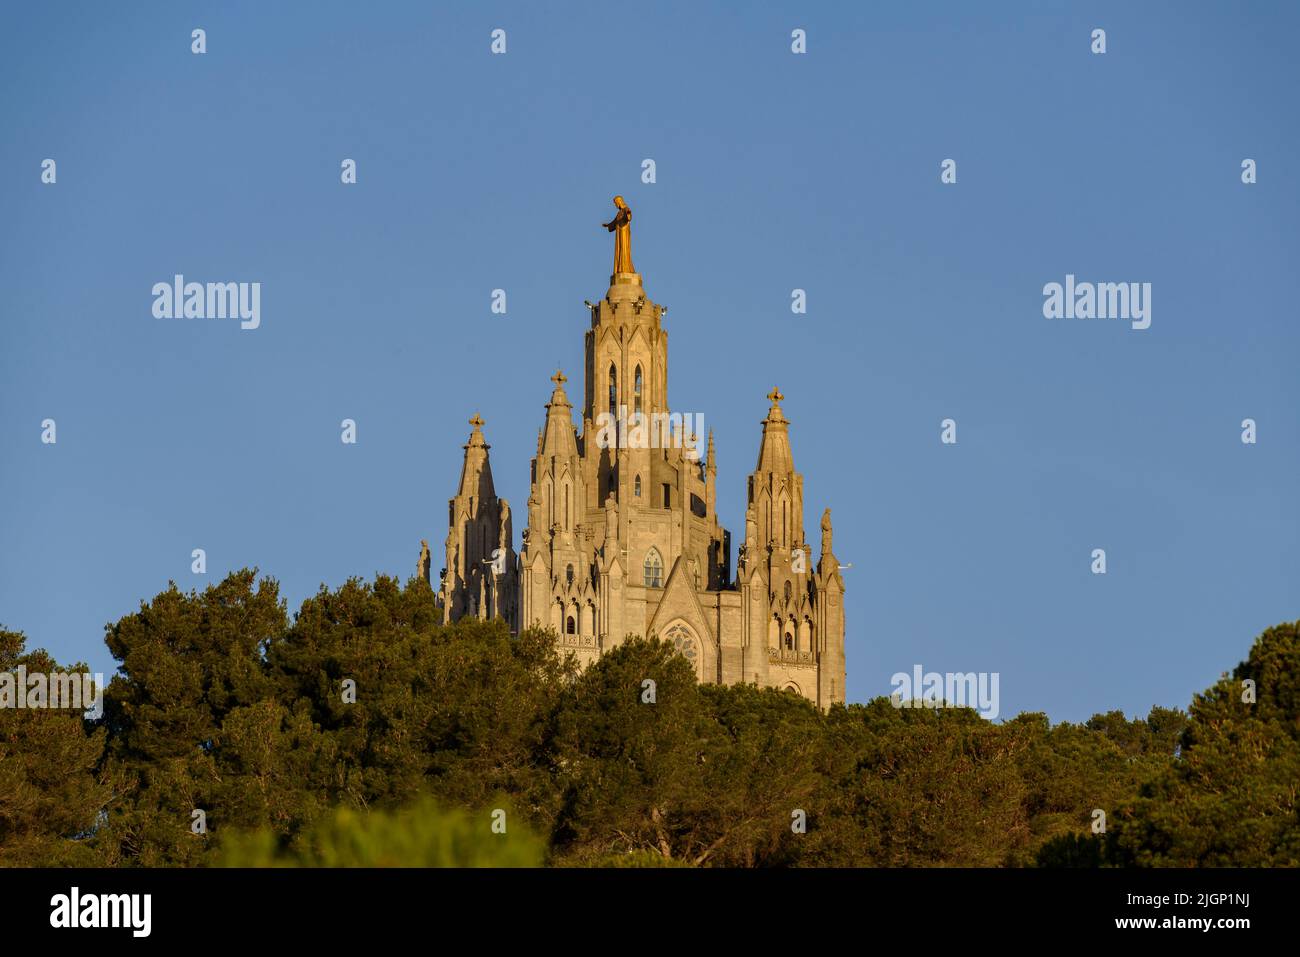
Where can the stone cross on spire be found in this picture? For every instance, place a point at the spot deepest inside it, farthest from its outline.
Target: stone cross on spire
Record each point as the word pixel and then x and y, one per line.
pixel 559 400
pixel 775 396
pixel 476 420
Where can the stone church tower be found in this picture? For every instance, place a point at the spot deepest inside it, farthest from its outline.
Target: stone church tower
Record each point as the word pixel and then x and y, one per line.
pixel 623 536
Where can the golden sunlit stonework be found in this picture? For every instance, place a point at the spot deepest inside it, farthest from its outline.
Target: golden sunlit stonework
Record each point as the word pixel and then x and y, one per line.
pixel 622 534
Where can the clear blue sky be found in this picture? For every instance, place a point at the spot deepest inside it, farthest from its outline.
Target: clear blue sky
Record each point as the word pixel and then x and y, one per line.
pixel 775 171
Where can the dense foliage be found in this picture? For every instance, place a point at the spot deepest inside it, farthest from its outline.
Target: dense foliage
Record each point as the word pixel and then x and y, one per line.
pixel 365 732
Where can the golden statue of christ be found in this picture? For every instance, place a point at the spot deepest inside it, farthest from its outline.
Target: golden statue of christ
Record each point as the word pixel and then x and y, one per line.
pixel 621 227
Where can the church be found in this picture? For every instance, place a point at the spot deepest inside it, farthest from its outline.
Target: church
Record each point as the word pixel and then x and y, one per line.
pixel 622 535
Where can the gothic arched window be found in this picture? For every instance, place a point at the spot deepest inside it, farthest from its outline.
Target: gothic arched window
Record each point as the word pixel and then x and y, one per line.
pixel 636 392
pixel 636 487
pixel 788 590
pixel 654 570
pixel 569 627
pixel 568 575
pixel 613 391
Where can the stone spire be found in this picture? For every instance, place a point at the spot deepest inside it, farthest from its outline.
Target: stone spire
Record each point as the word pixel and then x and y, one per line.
pixel 774 450
pixel 556 579
pixel 775 488
pixel 558 437
pixel 480 577
pixel 476 471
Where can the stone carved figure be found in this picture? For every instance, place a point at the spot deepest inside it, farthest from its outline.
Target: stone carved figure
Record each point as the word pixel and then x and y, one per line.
pixel 422 569
pixel 535 512
pixel 611 521
pixel 503 531
pixel 450 546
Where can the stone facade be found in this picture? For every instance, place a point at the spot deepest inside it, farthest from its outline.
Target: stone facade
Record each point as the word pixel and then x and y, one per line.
pixel 622 534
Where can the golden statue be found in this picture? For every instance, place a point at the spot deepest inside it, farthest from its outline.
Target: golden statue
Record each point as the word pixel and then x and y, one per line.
pixel 621 227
